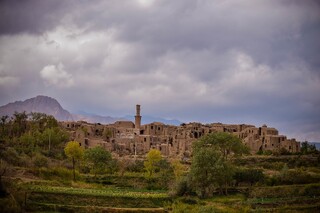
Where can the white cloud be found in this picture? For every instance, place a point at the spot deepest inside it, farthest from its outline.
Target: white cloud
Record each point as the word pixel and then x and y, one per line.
pixel 145 3
pixel 8 81
pixel 57 76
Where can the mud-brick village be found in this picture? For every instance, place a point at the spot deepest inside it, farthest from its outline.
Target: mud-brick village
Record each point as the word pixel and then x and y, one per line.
pixel 128 138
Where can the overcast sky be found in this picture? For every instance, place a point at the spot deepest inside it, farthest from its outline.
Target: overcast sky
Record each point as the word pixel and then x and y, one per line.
pixel 238 61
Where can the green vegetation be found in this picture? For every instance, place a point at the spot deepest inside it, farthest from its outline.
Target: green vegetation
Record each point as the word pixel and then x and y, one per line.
pixel 152 160
pixel 75 152
pixel 97 159
pixel 38 169
pixel 211 166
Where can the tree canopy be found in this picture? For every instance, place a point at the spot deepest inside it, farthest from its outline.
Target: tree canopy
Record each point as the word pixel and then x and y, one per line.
pixel 211 167
pixel 97 158
pixel 228 144
pixel 75 152
pixel 152 160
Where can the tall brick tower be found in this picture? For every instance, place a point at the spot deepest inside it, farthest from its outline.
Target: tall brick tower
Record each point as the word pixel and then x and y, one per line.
pixel 137 117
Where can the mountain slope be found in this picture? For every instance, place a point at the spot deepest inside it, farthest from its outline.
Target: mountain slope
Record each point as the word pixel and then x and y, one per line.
pixel 91 118
pixel 43 104
pixel 51 106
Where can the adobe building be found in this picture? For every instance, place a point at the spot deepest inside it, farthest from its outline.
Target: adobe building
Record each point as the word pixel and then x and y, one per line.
pixel 127 138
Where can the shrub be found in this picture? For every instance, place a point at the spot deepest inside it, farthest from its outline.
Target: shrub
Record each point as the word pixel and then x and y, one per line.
pixel 250 176
pixel 113 166
pixel 295 177
pixel 136 166
pixel 312 190
pixel 56 173
pixel 12 156
pixel 40 161
pixel 276 192
pixel 182 188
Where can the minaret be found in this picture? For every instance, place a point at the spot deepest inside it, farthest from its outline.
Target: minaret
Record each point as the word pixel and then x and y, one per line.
pixel 137 117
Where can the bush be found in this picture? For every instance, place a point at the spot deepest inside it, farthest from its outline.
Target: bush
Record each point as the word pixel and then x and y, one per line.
pixel 312 190
pixel 113 166
pixel 276 192
pixel 40 161
pixel 295 177
pixel 285 191
pixel 12 156
pixel 136 166
pixel 249 176
pixel 57 173
pixel 182 188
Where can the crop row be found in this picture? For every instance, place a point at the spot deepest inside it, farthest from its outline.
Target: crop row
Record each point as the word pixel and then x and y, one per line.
pixel 109 192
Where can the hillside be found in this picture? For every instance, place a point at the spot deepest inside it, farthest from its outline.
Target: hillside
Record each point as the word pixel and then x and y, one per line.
pixel 51 106
pixel 43 104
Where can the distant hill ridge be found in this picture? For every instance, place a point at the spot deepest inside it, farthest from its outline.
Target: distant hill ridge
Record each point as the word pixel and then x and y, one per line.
pixel 51 106
pixel 43 104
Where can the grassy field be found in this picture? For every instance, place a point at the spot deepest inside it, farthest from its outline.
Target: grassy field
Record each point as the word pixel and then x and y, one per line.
pixel 128 192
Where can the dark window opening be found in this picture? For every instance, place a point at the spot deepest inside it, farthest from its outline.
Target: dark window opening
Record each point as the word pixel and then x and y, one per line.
pixel 195 135
pixel 145 139
pixel 141 132
pixel 151 127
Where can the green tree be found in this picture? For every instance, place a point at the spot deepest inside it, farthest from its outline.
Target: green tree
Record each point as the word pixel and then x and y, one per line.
pixel 4 124
pixel 211 166
pixel 74 151
pixel 19 123
pixel 98 159
pixel 165 177
pixel 178 169
pixel 53 138
pixel 26 144
pixel 307 148
pixel 228 144
pixel 41 121
pixel 151 163
pixel 208 171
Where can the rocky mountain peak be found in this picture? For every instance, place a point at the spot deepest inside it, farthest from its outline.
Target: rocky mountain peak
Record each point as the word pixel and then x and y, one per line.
pixel 40 103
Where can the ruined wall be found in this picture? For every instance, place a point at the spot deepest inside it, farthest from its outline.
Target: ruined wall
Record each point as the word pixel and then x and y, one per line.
pixel 124 138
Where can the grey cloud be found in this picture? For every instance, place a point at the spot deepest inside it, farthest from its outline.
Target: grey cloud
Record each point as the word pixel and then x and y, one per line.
pixel 237 62
pixel 31 16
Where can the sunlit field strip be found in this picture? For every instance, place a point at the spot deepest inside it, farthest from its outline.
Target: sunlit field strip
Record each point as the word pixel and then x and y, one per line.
pixel 110 192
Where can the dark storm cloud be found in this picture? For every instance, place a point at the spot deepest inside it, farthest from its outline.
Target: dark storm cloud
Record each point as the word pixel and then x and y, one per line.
pixel 230 61
pixel 31 16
